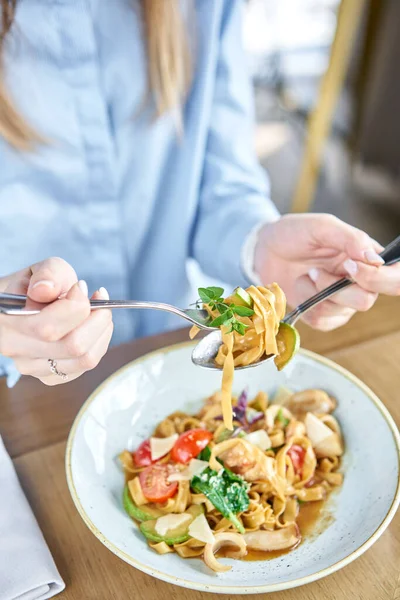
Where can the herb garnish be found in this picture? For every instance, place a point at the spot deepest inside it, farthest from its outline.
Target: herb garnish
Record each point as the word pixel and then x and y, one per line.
pixel 212 296
pixel 227 492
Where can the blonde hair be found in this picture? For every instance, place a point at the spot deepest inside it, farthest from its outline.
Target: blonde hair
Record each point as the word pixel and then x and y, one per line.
pixel 168 64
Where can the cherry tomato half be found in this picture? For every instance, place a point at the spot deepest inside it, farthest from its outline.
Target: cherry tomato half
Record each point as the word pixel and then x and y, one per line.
pixel 142 456
pixel 190 444
pixel 297 455
pixel 155 485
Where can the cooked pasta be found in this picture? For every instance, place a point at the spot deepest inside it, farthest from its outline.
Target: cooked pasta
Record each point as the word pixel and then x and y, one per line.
pixel 242 488
pixel 256 339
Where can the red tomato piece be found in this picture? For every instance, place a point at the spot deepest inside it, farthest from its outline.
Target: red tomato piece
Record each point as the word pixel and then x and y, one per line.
pixel 155 485
pixel 297 455
pixel 142 456
pixel 190 444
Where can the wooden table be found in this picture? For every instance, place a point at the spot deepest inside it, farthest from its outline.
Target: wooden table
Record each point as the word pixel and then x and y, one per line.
pixel 35 420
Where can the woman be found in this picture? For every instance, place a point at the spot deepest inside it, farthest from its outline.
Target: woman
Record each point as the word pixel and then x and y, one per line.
pixel 127 148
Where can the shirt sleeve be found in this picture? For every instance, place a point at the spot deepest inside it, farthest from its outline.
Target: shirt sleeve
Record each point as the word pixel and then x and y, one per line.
pixel 9 370
pixel 234 195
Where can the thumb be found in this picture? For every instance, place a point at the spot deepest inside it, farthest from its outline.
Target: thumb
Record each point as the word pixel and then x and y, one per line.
pixel 50 279
pixel 357 244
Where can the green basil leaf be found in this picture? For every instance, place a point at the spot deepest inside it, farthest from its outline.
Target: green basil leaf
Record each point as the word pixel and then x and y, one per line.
pixel 217 291
pixel 243 311
pixel 227 492
pixel 222 307
pixel 205 296
pixel 239 327
pixel 221 320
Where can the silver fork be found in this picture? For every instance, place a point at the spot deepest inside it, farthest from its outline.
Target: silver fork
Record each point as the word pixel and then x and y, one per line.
pixel 13 304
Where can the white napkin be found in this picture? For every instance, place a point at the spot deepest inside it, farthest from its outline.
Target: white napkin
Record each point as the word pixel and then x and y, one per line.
pixel 27 569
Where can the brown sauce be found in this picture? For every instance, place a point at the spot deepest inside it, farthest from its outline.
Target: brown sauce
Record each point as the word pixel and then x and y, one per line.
pixel 312 520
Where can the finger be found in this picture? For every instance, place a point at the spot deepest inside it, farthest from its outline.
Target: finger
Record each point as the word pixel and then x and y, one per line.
pixel 72 367
pixel 377 246
pixel 331 232
pixel 378 280
pixel 55 320
pixel 50 279
pixel 16 283
pixel 352 297
pixel 326 315
pixel 44 281
pixel 77 343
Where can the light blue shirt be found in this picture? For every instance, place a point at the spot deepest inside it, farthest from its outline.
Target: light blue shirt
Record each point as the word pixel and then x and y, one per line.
pixel 117 195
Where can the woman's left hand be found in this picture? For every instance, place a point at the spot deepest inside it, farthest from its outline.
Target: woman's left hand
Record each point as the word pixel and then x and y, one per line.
pixel 308 252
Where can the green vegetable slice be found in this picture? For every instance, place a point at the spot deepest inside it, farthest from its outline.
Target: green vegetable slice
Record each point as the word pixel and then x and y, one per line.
pixel 139 513
pixel 288 341
pixel 241 297
pixel 173 536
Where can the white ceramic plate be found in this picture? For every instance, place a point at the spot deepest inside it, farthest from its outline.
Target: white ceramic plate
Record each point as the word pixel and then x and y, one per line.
pixel 124 410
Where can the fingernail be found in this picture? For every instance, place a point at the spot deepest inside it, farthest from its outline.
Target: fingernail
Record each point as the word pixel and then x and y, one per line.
pixel 313 274
pixel 104 294
pixel 351 267
pixel 83 287
pixel 373 257
pixel 46 282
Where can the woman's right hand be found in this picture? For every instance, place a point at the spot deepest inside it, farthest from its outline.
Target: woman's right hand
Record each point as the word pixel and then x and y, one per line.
pixel 65 331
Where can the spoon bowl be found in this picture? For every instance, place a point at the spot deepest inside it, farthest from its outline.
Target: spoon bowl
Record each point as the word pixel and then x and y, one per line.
pixel 206 350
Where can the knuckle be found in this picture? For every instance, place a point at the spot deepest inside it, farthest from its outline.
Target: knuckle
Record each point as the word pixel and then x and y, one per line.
pixel 54 264
pixel 89 361
pixel 366 302
pixel 329 220
pixel 57 262
pixel 46 332
pixel 80 308
pixel 75 345
pixel 364 238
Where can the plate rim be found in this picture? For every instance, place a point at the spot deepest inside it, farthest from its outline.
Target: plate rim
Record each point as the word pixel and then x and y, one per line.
pixel 238 589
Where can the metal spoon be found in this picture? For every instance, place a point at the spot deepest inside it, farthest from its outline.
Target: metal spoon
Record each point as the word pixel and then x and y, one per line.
pixel 206 350
pixel 13 304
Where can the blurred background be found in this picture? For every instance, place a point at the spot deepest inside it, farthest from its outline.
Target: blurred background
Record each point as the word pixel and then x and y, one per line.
pixel 327 92
pixel 289 45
